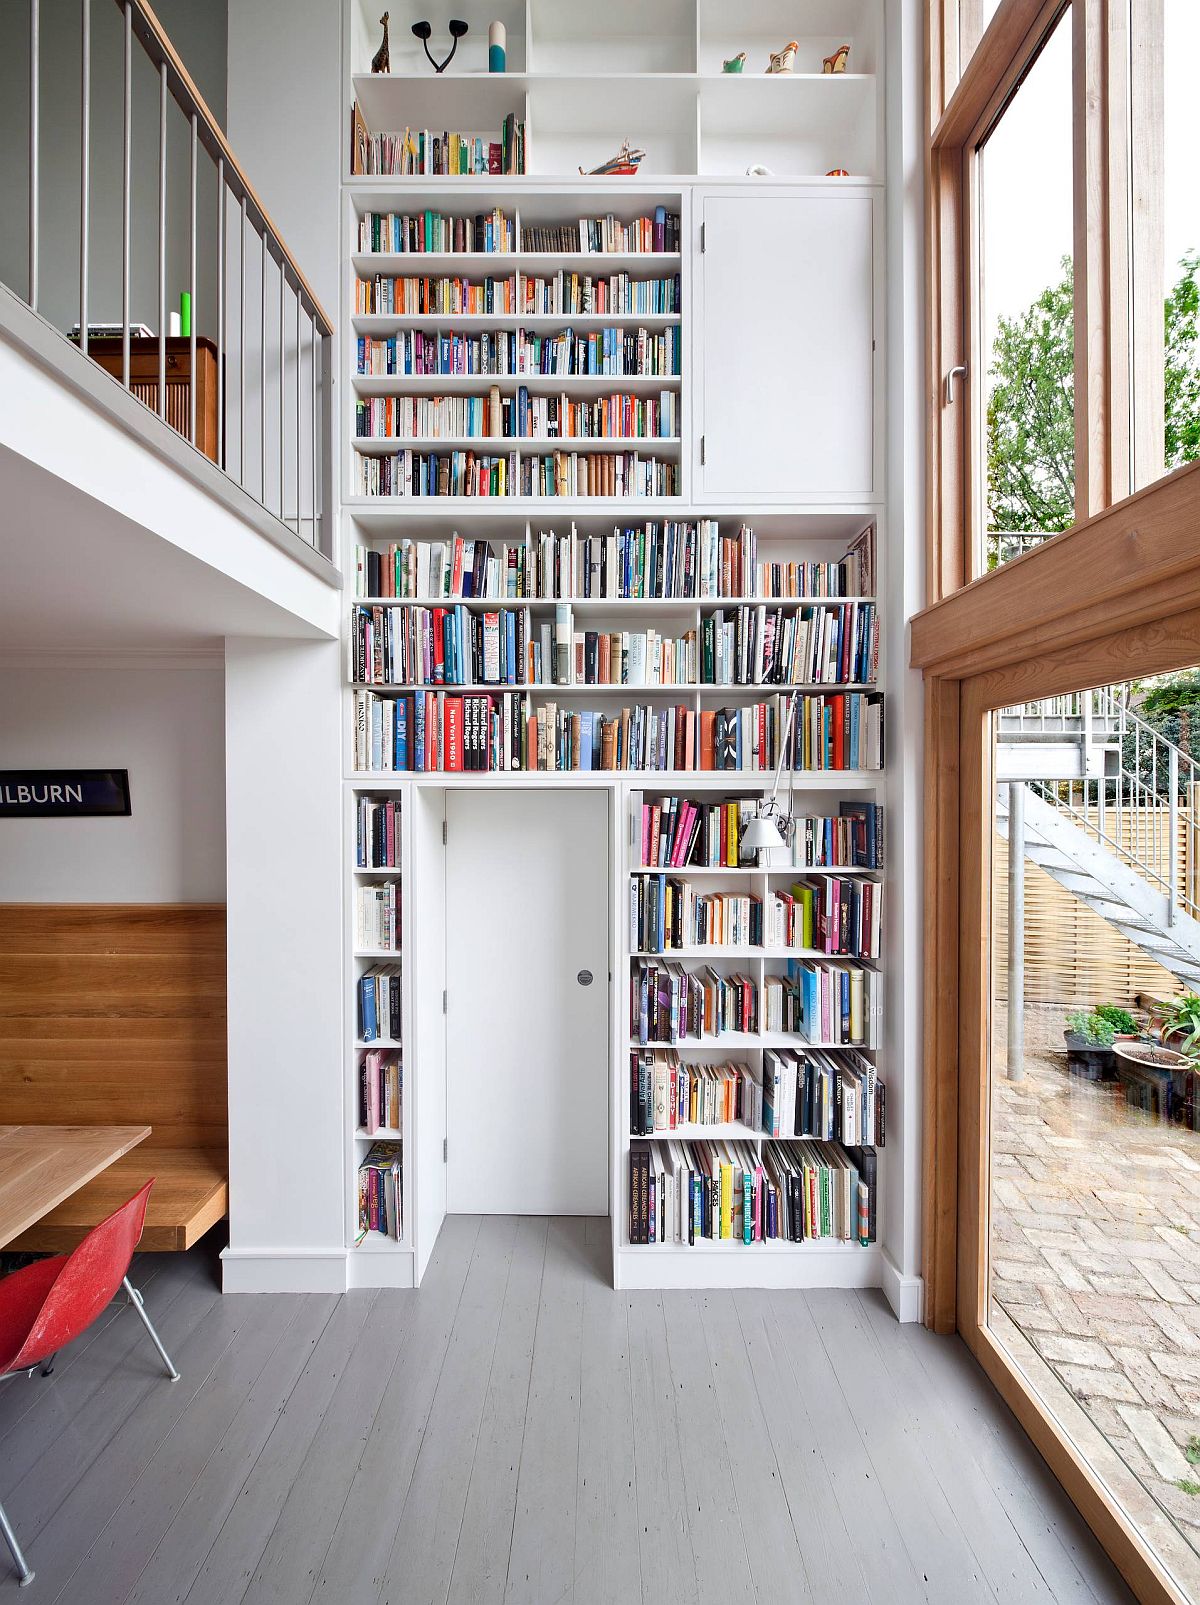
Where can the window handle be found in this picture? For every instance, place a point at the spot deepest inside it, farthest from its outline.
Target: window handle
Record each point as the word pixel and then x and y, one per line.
pixel 959 371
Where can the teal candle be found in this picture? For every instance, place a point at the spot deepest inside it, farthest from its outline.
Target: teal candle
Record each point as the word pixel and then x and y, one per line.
pixel 185 314
pixel 497 47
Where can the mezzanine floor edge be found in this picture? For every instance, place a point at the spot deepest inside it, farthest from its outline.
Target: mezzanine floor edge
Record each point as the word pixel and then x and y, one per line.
pixel 516 1431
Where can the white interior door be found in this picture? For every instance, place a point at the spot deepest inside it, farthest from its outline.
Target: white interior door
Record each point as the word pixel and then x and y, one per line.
pixel 786 347
pixel 527 1051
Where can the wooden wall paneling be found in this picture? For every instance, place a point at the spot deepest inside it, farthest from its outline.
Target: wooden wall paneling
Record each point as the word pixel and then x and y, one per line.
pixel 940 1083
pixel 115 1015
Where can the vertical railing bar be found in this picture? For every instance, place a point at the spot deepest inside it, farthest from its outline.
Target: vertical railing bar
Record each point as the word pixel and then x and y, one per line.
pixel 282 344
pixel 313 423
pixel 192 284
pixel 85 167
pixel 299 409
pixel 126 191
pixel 84 170
pixel 242 356
pixel 222 309
pixel 262 368
pixel 35 51
pixel 162 240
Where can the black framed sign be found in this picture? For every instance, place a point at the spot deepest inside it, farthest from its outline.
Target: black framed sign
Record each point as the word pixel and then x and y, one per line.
pixel 63 793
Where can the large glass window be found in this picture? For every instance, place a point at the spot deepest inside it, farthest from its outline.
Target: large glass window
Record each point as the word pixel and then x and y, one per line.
pixel 1094 1218
pixel 1025 430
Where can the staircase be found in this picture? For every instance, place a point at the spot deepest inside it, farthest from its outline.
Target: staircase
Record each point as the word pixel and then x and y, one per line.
pixel 1115 824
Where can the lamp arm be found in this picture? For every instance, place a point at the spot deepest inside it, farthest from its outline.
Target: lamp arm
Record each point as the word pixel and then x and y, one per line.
pixel 784 744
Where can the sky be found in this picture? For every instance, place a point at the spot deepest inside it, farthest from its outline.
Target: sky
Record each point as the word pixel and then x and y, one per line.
pixel 1027 170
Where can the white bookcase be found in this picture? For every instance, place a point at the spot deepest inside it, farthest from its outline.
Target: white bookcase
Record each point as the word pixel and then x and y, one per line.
pixel 781 283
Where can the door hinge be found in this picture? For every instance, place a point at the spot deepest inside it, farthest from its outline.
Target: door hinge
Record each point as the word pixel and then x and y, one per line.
pixel 443 1000
pixel 443 832
pixel 445 1149
pixel 702 450
pixel 703 242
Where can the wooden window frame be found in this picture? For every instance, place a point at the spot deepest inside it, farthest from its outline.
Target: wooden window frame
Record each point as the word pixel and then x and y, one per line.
pixel 1116 596
pixel 1118 335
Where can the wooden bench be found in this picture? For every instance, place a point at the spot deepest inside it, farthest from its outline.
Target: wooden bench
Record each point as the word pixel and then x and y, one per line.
pixel 115 1014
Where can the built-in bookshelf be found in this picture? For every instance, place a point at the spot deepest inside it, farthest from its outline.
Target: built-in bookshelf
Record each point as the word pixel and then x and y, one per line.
pixel 753 1109
pixel 613 518
pixel 531 351
pixel 377 1096
pixel 655 75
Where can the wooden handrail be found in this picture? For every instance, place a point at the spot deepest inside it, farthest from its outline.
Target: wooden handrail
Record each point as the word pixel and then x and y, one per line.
pixel 158 46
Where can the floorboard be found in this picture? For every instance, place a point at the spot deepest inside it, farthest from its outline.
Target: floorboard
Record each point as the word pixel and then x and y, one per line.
pixel 517 1432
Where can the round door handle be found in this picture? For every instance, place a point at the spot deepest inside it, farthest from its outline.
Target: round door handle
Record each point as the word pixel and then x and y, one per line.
pixel 584 977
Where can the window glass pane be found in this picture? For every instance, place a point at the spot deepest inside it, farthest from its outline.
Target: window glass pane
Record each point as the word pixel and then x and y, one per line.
pixel 1094 1218
pixel 1026 430
pixel 1165 237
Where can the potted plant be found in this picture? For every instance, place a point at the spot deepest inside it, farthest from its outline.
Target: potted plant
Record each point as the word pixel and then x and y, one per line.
pixel 1180 1030
pixel 1122 1022
pixel 1090 1040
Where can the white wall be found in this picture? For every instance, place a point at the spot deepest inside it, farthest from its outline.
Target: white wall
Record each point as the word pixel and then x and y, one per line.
pixel 905 581
pixel 285 123
pixel 160 717
pixel 286 1120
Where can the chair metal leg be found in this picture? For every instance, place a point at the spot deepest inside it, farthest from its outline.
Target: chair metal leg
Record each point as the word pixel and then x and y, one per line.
pixel 48 1365
pixel 139 1305
pixel 10 1539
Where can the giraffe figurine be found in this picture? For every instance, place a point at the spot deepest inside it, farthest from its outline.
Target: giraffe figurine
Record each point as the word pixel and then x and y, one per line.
pixel 381 61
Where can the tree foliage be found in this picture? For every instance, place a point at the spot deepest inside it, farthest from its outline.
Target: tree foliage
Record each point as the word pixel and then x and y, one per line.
pixel 1031 408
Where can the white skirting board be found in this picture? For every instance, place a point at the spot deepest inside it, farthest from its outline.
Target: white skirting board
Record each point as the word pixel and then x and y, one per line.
pixel 734 1266
pixel 905 1294
pixel 283 1270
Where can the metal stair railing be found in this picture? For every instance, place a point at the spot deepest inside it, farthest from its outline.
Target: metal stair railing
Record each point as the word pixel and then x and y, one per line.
pixel 1147 813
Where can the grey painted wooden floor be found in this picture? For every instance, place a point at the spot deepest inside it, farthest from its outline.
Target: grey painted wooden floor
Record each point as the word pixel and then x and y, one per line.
pixel 516 1431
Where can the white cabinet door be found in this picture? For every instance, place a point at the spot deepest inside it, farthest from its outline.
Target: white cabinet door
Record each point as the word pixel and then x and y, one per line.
pixel 785 349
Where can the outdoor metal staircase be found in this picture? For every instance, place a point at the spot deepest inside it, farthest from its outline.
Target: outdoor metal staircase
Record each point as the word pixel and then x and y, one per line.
pixel 1118 828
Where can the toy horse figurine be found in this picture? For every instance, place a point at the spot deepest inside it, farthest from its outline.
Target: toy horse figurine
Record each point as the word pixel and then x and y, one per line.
pixel 836 62
pixel 381 61
pixel 783 60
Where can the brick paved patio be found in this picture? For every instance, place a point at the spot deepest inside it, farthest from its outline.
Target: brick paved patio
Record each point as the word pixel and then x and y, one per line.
pixel 1096 1256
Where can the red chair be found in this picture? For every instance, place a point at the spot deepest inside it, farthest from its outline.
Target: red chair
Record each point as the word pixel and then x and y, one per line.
pixel 47 1304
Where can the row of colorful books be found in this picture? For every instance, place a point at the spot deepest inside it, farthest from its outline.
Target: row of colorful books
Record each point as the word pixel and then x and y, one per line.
pixel 398 233
pixel 685 1193
pixel 821 644
pixel 623 475
pixel 562 294
pixel 678 832
pixel 826 1000
pixel 574 294
pixel 379 1006
pixel 666 913
pixel 430 296
pixel 497 231
pixel 841 915
pixel 377 834
pixel 650 561
pixel 381 1191
pixel 524 415
pixel 380 1091
pixel 423 731
pixel 833 1094
pixel 377 916
pixel 418 152
pixel 669 1003
pixel 658 231
pixel 599 352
